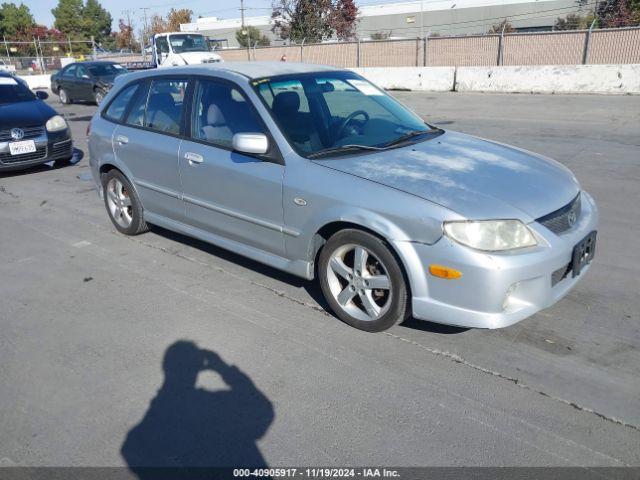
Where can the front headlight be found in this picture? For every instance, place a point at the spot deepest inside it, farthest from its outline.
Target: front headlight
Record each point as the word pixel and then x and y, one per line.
pixel 491 235
pixel 55 124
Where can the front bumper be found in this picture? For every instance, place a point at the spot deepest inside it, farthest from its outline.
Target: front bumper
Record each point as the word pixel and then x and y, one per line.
pixel 49 147
pixel 499 289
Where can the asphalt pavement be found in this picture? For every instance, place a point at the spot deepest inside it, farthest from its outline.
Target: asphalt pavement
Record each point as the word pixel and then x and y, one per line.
pixel 245 364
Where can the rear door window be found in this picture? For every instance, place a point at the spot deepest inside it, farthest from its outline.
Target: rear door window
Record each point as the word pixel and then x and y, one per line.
pixel 165 105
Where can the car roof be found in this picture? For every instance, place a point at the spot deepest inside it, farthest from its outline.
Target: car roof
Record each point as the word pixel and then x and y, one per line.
pixel 250 70
pixel 93 62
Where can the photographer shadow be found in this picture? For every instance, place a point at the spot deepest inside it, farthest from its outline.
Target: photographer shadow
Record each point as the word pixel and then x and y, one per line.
pixel 188 429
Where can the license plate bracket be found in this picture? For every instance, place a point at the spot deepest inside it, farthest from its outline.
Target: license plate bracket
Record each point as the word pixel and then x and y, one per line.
pixel 583 253
pixel 20 148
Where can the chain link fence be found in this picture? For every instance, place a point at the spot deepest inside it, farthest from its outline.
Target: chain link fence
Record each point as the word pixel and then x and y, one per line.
pixel 43 56
pixel 574 47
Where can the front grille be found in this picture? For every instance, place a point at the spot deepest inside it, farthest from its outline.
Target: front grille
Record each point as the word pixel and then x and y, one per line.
pixel 564 218
pixel 29 132
pixel 6 157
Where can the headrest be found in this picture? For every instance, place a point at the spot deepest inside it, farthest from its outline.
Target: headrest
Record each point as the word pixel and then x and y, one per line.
pixel 286 103
pixel 161 101
pixel 214 116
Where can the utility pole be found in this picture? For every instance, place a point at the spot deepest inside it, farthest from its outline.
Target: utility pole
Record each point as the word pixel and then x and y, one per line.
pixel 243 30
pixel 144 33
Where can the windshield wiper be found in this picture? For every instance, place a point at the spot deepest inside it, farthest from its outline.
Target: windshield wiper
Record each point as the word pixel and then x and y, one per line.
pixel 411 134
pixel 343 148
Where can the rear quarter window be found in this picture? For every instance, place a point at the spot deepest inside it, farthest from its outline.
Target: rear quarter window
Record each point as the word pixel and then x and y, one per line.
pixel 118 106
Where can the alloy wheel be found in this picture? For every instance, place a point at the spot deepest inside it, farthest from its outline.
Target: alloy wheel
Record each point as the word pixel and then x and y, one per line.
pixel 119 203
pixel 359 282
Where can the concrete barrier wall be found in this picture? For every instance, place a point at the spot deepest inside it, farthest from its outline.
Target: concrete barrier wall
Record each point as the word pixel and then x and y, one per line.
pixel 551 79
pixel 607 79
pixel 37 81
pixel 434 79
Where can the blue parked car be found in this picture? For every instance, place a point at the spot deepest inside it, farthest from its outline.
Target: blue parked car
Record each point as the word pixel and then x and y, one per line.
pixel 31 132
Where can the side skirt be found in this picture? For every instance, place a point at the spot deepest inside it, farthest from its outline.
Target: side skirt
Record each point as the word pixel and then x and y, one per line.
pixel 299 268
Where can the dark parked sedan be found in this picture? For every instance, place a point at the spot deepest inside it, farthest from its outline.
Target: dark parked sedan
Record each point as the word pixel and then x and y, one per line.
pixel 86 81
pixel 31 132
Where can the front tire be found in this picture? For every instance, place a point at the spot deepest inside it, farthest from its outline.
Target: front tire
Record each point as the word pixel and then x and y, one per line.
pixel 122 204
pixel 64 97
pixel 98 96
pixel 362 281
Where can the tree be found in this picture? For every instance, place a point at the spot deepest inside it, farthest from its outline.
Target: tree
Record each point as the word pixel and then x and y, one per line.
pixel 68 18
pixel 343 19
pixel 380 35
pixel 574 21
pixel 504 25
pixel 14 19
pixel 176 17
pixel 157 24
pixel 251 36
pixel 125 38
pixel 313 20
pixel 97 21
pixel 618 13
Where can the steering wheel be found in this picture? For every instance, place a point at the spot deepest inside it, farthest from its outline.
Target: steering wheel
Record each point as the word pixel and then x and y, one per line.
pixel 350 117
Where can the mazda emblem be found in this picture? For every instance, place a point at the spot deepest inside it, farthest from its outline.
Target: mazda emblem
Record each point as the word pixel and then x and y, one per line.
pixel 17 133
pixel 572 218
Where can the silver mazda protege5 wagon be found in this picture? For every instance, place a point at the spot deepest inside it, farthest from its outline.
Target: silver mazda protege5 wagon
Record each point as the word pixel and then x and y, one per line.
pixel 315 171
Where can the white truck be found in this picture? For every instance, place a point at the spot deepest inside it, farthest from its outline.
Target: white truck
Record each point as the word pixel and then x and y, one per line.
pixel 171 49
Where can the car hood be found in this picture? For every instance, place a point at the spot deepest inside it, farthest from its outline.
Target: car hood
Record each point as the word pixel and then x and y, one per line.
pixel 194 58
pixel 479 179
pixel 107 79
pixel 24 114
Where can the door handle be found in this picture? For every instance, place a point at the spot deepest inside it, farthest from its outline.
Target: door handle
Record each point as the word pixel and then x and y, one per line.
pixel 122 140
pixel 194 158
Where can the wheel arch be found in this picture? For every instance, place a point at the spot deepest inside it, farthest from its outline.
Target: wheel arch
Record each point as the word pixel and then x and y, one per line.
pixel 107 167
pixel 328 229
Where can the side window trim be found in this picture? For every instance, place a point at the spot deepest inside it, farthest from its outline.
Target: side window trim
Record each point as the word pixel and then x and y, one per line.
pixel 145 87
pixel 273 155
pixel 125 114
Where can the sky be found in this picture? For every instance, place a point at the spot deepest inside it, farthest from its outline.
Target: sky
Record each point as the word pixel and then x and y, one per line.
pixel 41 9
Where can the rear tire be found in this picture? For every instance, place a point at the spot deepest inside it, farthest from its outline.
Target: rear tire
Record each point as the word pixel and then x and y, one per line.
pixel 122 204
pixel 362 281
pixel 64 97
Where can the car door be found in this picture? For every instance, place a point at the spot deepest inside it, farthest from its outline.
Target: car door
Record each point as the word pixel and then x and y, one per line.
pixel 227 193
pixel 68 79
pixel 83 84
pixel 148 142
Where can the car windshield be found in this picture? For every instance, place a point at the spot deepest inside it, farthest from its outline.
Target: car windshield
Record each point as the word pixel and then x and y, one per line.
pixel 107 69
pixel 13 91
pixel 332 113
pixel 188 43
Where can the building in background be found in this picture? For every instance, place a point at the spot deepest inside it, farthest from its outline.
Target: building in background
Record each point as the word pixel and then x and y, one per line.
pixel 417 18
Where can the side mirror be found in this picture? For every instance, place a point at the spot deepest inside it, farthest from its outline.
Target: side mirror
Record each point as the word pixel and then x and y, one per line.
pixel 85 76
pixel 42 95
pixel 255 143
